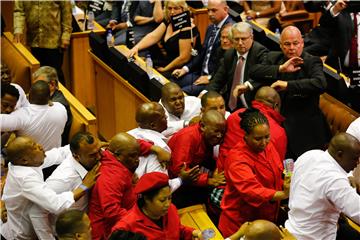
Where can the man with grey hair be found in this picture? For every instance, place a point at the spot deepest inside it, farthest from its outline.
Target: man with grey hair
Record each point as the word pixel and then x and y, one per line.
pixel 232 77
pixel 49 75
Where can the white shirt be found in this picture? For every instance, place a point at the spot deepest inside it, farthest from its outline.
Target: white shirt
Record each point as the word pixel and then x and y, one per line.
pixel 319 191
pixel 43 123
pixel 25 186
pixel 354 128
pixel 150 163
pixel 192 109
pixel 22 101
pixel 66 177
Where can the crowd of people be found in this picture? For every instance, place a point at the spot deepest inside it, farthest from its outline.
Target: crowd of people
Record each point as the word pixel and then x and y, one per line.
pixel 231 116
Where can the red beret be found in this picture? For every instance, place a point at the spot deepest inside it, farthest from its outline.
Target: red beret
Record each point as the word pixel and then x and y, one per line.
pixel 150 181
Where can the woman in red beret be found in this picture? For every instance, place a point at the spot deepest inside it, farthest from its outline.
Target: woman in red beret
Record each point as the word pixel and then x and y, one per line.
pixel 154 216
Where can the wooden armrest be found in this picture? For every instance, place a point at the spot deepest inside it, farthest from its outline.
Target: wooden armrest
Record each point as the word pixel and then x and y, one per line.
pixel 293 15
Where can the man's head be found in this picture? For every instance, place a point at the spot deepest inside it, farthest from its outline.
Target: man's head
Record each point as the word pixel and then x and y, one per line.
pixel 24 151
pixel 225 41
pixel 262 229
pixel 213 127
pixel 270 97
pixel 49 75
pixel 73 224
pixel 126 149
pixel 172 98
pixel 5 75
pixel 217 10
pixel 39 93
pixel 86 149
pixel 151 116
pixel 291 42
pixel 241 35
pixel 345 149
pixel 213 101
pixel 9 98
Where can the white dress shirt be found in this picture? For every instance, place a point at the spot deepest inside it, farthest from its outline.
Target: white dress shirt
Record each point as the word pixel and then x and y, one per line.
pixel 22 101
pixel 192 109
pixel 67 177
pixel 25 186
pixel 319 191
pixel 150 163
pixel 354 128
pixel 43 123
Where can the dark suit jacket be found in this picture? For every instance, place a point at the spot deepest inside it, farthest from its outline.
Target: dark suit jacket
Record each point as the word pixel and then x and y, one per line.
pixel 305 124
pixel 196 63
pixel 223 78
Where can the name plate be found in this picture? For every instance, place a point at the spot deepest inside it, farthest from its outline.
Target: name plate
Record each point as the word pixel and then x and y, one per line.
pixel 180 21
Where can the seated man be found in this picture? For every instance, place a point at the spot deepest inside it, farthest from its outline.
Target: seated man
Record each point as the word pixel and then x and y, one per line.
pixel 83 154
pixel 40 121
pixel 178 108
pixel 25 186
pixel 73 224
pixel 191 147
pixel 320 189
pixel 49 75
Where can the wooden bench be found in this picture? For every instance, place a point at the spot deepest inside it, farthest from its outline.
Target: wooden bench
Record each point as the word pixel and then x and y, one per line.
pixel 196 217
pixel 22 64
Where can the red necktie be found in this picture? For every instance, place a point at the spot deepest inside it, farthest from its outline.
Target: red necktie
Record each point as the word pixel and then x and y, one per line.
pixel 353 58
pixel 236 81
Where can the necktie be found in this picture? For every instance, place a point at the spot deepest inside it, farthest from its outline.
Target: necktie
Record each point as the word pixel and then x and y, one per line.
pixel 236 81
pixel 353 58
pixel 209 48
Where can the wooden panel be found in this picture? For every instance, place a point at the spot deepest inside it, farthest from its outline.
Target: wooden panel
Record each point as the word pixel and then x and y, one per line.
pixel 201 20
pixel 196 217
pixel 7 9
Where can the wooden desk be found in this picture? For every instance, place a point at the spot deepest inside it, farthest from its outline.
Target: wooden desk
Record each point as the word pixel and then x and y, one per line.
pixel 196 217
pixel 80 64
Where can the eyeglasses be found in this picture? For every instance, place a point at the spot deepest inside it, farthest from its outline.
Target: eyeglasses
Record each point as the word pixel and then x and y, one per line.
pixel 243 39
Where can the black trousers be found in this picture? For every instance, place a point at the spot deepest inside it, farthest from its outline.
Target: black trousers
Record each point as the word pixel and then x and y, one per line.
pixel 52 58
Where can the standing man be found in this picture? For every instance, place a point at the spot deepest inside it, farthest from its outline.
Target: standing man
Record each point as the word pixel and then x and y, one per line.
pixel 202 67
pixel 48 26
pixel 232 77
pixel 320 190
pixel 299 78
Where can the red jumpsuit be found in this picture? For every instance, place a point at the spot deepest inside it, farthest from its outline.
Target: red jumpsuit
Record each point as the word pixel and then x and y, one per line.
pixel 138 222
pixel 252 180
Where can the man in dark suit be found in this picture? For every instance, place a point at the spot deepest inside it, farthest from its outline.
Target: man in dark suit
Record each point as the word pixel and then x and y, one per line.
pixel 200 69
pixel 299 78
pixel 251 52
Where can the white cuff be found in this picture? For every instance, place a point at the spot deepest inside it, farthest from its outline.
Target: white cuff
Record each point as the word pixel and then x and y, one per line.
pixel 186 69
pixel 129 24
pixel 247 83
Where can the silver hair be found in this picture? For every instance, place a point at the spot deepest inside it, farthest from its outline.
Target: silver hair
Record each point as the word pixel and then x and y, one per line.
pixel 242 27
pixel 49 73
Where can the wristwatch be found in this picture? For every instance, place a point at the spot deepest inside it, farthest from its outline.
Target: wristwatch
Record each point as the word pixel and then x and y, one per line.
pixel 257 14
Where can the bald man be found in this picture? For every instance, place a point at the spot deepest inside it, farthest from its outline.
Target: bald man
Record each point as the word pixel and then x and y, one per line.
pixel 179 109
pixel 25 186
pixel 299 78
pixel 193 146
pixel 44 123
pixel 113 194
pixel 320 190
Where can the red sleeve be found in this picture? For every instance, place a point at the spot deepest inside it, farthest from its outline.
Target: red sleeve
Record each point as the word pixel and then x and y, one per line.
pixel 246 183
pixel 181 152
pixel 145 147
pixel 186 232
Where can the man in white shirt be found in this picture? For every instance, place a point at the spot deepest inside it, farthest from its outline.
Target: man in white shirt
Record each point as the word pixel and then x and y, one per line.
pixel 151 120
pixel 354 128
pixel 320 190
pixel 39 121
pixel 85 154
pixel 178 108
pixel 25 186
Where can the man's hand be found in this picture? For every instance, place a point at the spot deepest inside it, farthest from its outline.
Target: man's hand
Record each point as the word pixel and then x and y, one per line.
pixel 217 179
pixel 178 73
pixel 355 178
pixel 339 6
pixel 111 24
pixel 286 184
pixel 240 89
pixel 3 211
pixel 291 65
pixel 279 85
pixel 163 156
pixel 202 80
pixel 18 37
pixel 196 234
pixel 64 43
pixel 285 234
pixel 191 175
pixel 90 178
pixel 133 51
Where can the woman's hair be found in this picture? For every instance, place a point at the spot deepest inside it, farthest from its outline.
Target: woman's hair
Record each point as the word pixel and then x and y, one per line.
pixel 250 118
pixel 149 194
pixel 178 3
